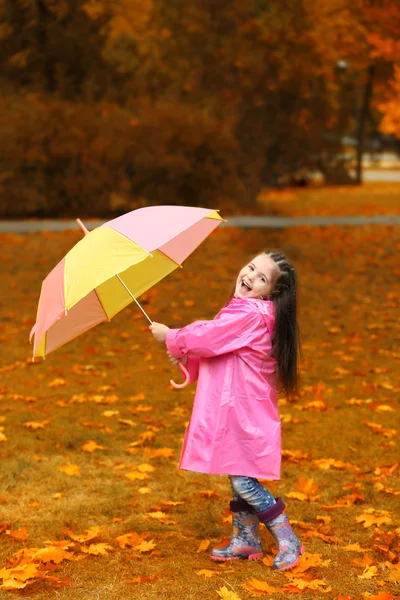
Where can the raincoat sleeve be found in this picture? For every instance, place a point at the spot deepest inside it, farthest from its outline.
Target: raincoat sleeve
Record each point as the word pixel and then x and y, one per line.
pixel 226 333
pixel 192 366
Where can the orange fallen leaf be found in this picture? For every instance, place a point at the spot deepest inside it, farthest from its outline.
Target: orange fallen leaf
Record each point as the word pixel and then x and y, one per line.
pixel 90 534
pixel 226 594
pixel 130 539
pixel 127 422
pixel 35 424
pixel 52 554
pixel 368 518
pixel 97 549
pixel 56 383
pixel 382 596
pixel 160 452
pixel 204 544
pixel 306 490
pixel 296 585
pixel 133 475
pixel 255 585
pixel 146 468
pixel 90 446
pixel 354 548
pixel 70 469
pixel 160 516
pixel 207 573
pixel 369 572
pixel 19 534
pixel 145 546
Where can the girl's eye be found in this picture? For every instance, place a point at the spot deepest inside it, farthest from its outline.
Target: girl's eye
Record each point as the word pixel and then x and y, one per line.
pixel 251 267
pixel 262 279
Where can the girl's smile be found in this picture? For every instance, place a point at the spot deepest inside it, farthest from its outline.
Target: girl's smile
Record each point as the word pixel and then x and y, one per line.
pixel 257 279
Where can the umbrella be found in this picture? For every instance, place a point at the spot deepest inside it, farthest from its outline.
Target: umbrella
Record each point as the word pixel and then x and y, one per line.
pixel 112 266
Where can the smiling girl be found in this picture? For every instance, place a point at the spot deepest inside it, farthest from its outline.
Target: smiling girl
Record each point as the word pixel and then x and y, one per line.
pixel 240 359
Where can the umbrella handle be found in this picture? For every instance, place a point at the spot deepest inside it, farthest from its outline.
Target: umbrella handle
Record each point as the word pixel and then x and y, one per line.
pixel 185 373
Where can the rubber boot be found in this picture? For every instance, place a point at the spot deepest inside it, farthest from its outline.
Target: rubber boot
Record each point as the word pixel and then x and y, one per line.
pixel 245 542
pixel 290 547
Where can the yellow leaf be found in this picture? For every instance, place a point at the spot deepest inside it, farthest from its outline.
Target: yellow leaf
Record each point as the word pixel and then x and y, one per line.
pixel 90 534
pixel 140 396
pixel 58 382
pixel 3 438
pixel 204 544
pixel 70 469
pixel 35 424
pixel 226 594
pixel 145 468
pixel 158 515
pixel 145 546
pixel 132 475
pixel 19 534
pixel 161 452
pixel 369 573
pixel 259 586
pixel 110 413
pixel 369 519
pixel 97 549
pixel 127 422
pixel 14 584
pixel 354 548
pixel 145 490
pixel 206 572
pixel 90 446
pixel 128 539
pixel 21 572
pixel 297 496
pixel 52 554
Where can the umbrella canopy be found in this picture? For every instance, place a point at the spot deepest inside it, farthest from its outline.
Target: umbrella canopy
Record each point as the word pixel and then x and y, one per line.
pixel 122 258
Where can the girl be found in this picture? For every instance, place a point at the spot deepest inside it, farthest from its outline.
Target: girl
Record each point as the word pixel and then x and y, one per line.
pixel 240 358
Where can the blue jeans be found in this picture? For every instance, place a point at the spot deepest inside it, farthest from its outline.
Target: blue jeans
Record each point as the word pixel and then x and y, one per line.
pixel 252 491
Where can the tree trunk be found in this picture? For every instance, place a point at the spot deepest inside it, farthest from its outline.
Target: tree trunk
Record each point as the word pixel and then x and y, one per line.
pixel 42 36
pixel 362 119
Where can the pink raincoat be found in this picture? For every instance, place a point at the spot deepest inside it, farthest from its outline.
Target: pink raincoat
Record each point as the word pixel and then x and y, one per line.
pixel 235 427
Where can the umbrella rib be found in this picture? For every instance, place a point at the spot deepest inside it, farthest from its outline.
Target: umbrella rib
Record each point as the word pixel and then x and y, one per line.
pixel 132 296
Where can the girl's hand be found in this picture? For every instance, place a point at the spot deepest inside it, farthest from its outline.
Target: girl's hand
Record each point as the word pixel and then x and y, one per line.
pixel 159 331
pixel 175 361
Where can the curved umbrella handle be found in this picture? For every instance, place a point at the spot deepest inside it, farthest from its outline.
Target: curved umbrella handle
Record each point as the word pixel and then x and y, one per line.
pixel 185 374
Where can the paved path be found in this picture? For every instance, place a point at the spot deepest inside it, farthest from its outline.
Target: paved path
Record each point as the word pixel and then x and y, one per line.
pixel 244 221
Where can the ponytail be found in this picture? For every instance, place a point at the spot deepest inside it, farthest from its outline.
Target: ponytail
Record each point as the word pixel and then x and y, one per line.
pixel 286 337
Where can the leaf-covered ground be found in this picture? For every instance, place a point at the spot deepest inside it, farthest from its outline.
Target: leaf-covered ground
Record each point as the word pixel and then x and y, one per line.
pixel 371 199
pixel 92 504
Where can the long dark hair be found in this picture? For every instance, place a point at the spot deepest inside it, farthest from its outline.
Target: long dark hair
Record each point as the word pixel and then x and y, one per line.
pixel 286 336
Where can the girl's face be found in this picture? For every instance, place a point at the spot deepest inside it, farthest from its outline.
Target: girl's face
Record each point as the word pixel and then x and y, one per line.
pixel 257 279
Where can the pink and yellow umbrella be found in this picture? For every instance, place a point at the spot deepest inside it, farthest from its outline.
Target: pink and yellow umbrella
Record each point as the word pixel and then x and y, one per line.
pixel 112 266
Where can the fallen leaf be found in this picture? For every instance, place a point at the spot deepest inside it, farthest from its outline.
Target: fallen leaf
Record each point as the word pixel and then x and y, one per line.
pixel 204 544
pixel 90 446
pixel 130 539
pixel 255 585
pixel 226 594
pixel 370 519
pixel 369 573
pixel 70 469
pixel 145 546
pixel 97 549
pixel 19 534
pixel 207 573
pixel 90 534
pixel 36 424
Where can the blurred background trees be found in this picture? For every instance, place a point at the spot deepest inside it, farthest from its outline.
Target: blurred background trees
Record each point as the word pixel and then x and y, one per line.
pixel 110 104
